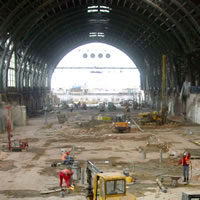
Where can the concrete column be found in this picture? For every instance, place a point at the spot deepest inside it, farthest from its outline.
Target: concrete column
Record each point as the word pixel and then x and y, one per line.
pixel 171 105
pixel 143 154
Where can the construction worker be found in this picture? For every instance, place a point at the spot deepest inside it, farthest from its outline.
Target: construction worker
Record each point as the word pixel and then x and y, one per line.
pixel 66 174
pixel 66 158
pixel 185 161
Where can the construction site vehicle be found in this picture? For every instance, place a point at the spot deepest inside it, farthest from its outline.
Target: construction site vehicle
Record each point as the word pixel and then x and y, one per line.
pixel 191 196
pixel 106 186
pixel 19 145
pixel 148 117
pixel 121 124
pixel 101 107
pixel 111 106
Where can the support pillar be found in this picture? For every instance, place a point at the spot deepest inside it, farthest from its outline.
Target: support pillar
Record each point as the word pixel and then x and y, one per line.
pixel 164 107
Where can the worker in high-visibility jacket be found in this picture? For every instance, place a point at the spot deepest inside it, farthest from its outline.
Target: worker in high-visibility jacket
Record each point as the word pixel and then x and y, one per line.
pixel 66 174
pixel 185 162
pixel 66 158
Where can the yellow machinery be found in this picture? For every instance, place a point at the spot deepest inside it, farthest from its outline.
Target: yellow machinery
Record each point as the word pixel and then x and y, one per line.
pixel 121 124
pixel 106 186
pixel 148 117
pixel 191 195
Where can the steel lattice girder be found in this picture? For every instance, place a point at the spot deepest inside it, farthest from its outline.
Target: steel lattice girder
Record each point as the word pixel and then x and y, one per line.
pixel 78 21
pixel 64 31
pixel 146 23
pixel 147 2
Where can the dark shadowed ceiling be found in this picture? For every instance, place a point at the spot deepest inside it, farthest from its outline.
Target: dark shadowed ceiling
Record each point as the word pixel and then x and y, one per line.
pixel 48 29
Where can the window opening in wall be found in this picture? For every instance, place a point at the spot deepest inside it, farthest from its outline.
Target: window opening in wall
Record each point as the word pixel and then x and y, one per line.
pixel 24 82
pixel 95 9
pixel 7 42
pixel 11 46
pixel 27 68
pixel 46 85
pixel 96 34
pixel 11 72
pixel 83 74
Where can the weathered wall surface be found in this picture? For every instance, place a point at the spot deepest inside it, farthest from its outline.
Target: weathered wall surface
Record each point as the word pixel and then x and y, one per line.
pixel 193 108
pixel 3 119
pixel 174 105
pixel 18 117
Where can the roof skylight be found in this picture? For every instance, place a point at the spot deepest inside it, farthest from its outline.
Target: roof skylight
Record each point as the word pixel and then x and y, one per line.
pixel 95 9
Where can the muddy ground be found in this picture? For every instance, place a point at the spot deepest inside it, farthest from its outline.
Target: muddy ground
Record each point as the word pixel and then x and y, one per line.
pixel 25 174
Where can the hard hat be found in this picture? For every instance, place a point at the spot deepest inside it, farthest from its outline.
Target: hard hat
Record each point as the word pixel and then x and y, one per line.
pixel 185 153
pixel 68 152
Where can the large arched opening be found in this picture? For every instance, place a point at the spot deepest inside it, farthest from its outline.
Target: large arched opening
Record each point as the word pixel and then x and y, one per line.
pixel 96 72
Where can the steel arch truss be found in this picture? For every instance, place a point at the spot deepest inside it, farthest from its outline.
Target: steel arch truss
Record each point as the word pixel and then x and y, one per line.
pixel 39 33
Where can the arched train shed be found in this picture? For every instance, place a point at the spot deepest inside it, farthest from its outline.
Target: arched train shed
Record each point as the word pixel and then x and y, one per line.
pixel 35 35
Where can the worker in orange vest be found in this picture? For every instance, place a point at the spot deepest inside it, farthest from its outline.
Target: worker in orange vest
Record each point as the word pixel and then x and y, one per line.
pixel 66 174
pixel 185 161
pixel 66 158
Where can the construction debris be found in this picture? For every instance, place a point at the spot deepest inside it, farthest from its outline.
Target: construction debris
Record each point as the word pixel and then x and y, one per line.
pixel 161 186
pixel 133 121
pixel 136 151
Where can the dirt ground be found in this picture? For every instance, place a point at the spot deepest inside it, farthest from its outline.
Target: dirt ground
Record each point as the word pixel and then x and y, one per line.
pixel 25 174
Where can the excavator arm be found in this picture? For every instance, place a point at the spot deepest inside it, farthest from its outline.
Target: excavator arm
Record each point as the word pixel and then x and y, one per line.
pixel 107 185
pixel 91 169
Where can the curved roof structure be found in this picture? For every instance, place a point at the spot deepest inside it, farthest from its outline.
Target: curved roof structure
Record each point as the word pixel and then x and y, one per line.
pixel 50 28
pixel 41 32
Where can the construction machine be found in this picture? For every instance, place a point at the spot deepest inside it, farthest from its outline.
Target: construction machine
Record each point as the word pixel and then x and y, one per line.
pixel 148 117
pixel 121 124
pixel 111 106
pixel 19 145
pixel 191 195
pixel 101 107
pixel 106 186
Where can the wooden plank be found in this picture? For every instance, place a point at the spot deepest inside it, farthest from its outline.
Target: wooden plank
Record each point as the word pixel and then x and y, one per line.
pixel 57 190
pixel 50 191
pixel 196 142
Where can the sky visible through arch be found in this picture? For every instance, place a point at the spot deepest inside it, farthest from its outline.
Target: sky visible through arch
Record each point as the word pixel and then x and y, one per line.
pixel 96 55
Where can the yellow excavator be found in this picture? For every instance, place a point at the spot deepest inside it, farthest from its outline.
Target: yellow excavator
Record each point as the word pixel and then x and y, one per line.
pixel 106 186
pixel 121 124
pixel 147 117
